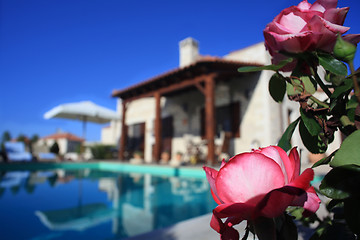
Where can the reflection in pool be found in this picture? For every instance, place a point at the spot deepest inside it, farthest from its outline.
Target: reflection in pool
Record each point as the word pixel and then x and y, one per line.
pixel 93 204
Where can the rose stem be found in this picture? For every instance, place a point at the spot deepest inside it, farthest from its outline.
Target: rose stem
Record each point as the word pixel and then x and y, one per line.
pixel 318 102
pixel 313 98
pixel 355 82
pixel 320 82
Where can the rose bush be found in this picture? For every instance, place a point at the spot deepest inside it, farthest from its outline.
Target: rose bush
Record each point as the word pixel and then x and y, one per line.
pixel 306 27
pixel 262 183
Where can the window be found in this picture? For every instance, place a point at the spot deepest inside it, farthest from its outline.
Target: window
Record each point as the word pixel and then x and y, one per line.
pixel 227 119
pixel 136 137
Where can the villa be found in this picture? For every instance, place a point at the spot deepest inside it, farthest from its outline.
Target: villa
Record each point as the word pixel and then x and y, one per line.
pixel 203 109
pixel 67 142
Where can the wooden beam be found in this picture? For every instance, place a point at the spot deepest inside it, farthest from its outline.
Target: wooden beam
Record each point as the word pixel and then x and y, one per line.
pixel 200 87
pixel 158 139
pixel 174 87
pixel 210 120
pixel 123 137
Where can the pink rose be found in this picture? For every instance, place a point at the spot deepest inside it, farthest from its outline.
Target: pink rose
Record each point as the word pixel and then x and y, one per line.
pixel 262 183
pixel 306 27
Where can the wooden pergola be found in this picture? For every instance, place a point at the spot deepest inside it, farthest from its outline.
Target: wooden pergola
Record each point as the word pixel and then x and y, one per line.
pixel 202 75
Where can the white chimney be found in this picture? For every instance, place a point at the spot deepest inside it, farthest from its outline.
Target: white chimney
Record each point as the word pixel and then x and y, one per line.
pixel 188 51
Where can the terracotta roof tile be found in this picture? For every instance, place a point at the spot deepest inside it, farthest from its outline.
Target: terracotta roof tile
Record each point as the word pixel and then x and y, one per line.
pixel 207 60
pixel 67 136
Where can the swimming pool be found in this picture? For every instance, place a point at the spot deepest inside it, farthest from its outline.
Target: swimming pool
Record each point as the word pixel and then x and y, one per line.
pixel 88 201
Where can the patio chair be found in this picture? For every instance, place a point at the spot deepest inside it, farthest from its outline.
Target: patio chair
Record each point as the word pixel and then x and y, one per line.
pixel 42 154
pixel 15 151
pixel 46 156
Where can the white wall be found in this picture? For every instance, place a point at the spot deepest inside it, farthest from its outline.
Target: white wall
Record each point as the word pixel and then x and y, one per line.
pixel 111 134
pixel 49 142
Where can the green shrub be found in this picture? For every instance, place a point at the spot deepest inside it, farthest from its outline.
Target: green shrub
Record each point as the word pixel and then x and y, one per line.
pixel 102 151
pixel 55 148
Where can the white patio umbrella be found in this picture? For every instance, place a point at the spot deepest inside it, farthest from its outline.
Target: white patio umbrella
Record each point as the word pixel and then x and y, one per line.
pixel 77 218
pixel 85 111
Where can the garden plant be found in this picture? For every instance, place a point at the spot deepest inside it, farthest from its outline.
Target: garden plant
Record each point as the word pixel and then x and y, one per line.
pixel 310 53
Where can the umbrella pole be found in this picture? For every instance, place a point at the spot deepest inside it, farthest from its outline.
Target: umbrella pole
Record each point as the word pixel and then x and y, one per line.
pixel 84 127
pixel 82 149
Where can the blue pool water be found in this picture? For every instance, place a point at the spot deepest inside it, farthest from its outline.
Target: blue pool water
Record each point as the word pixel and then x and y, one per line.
pixel 93 204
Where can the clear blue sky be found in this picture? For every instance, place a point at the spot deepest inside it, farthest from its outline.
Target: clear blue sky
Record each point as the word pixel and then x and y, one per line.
pixel 60 51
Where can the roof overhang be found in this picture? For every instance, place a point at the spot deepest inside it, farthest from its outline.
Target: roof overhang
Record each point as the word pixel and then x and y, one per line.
pixel 181 78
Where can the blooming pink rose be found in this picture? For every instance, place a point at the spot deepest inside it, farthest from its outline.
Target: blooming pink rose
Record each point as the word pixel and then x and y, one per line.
pixel 262 183
pixel 306 27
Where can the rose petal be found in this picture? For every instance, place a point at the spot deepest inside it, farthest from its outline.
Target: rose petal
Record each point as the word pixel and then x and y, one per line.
pixel 223 163
pixel 295 43
pixel 295 164
pixel 326 32
pixel 292 22
pixel 230 234
pixel 353 38
pixel 288 67
pixel 322 5
pixel 309 201
pixel 231 221
pixel 281 158
pixel 216 224
pixel 336 15
pixel 271 43
pixel 241 179
pixel 303 181
pixel 312 203
pixel 239 211
pixel 334 27
pixel 278 28
pixel 211 175
pixel 276 201
pixel 226 232
pixel 304 5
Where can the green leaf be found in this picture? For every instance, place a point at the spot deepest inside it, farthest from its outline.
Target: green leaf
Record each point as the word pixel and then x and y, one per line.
pixel 351 115
pixel 265 228
pixel 349 151
pixel 332 64
pixel 285 227
pixel 292 90
pixel 341 182
pixel 346 86
pixel 273 67
pixel 310 123
pixel 313 143
pixel 297 86
pixel 324 160
pixel 345 120
pixel 334 203
pixel 352 103
pixel 336 80
pixel 284 141
pixel 352 213
pixel 310 86
pixel 296 212
pixel 334 231
pixel 277 87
